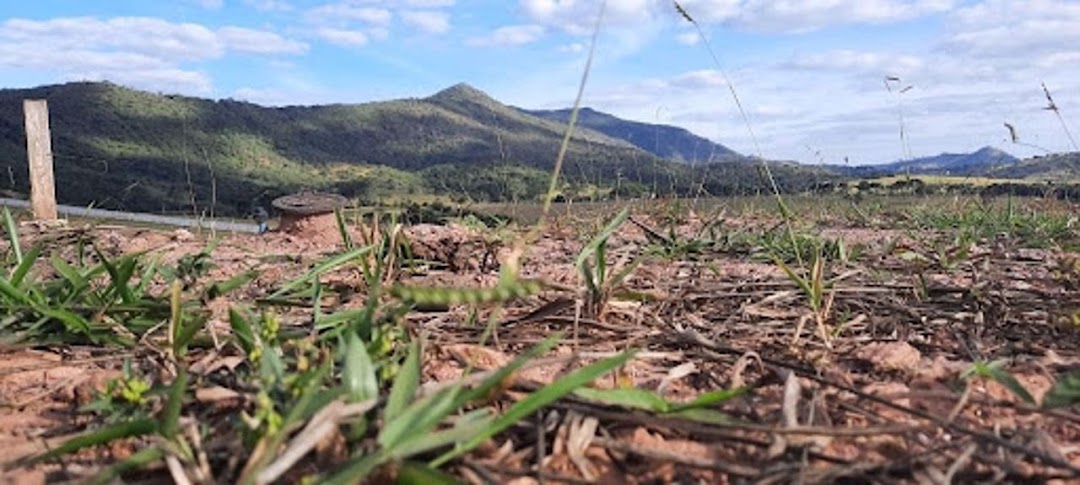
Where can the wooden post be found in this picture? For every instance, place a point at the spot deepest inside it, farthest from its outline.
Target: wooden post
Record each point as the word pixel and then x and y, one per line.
pixel 39 150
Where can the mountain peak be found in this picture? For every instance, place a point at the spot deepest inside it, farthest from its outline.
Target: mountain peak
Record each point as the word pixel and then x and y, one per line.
pixel 461 91
pixel 991 151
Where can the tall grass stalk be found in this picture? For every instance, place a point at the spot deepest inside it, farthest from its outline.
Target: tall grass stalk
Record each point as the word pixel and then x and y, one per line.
pixel 1052 106
pixel 785 212
pixel 905 146
pixel 572 121
pixel 512 264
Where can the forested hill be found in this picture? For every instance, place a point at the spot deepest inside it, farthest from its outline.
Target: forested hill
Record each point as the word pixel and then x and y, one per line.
pixel 665 141
pixel 125 149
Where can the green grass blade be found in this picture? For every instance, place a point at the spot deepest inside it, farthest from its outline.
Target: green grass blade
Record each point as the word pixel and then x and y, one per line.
pixel 627 398
pixel 413 473
pixel 170 416
pixel 710 398
pixel 149 273
pixel 533 402
pixel 118 275
pixel 1006 379
pixel 320 268
pixel 497 378
pixel 420 417
pixel 405 384
pixel 139 459
pixel 357 469
pixel 601 264
pixel 359 373
pixel 596 251
pixel 73 322
pixel 703 415
pixel 1065 393
pixel 333 320
pixel 127 429
pixel 619 277
pixel 183 331
pixel 10 292
pixel 796 278
pixel 604 234
pixel 241 327
pixel 464 429
pixel 73 276
pixel 24 267
pixel 343 229
pixel 220 288
pixel 13 235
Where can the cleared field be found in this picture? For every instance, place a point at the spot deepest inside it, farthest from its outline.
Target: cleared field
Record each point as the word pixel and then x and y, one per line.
pixel 943 180
pixel 889 339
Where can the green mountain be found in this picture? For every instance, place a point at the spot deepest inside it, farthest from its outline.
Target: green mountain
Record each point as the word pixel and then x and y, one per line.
pixel 125 149
pixel 665 141
pixel 978 162
pixel 989 162
pixel 1057 167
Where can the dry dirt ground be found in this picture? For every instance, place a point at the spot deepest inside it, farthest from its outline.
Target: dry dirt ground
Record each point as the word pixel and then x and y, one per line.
pixel 885 401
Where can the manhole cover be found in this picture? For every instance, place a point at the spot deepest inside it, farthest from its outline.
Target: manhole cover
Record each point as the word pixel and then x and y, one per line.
pixel 309 203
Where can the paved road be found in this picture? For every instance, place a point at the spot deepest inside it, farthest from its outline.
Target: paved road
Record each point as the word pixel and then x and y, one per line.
pixel 208 224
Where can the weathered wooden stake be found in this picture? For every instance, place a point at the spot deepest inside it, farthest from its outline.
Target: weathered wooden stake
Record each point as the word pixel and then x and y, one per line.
pixel 39 151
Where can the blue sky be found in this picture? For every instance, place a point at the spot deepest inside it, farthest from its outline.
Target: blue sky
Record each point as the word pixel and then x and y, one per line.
pixel 811 74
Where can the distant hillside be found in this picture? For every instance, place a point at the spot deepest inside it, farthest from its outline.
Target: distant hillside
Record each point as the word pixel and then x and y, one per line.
pixel 1058 167
pixel 120 148
pixel 978 163
pixel 665 141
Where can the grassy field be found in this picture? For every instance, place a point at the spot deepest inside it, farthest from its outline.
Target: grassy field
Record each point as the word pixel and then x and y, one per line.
pixel 941 180
pixel 652 341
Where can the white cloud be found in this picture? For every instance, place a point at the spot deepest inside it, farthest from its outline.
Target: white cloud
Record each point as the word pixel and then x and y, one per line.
pixel 351 23
pixel 805 16
pixel 688 38
pixel 627 25
pixel 29 56
pixel 146 35
pixel 343 37
pixel 269 5
pixel 167 80
pixel 1058 59
pixel 259 41
pixel 579 18
pixel 178 41
pixel 430 3
pixel 428 21
pixel 144 52
pixel 700 79
pixel 859 62
pixel 572 48
pixel 509 35
pixel 1014 29
pixel 646 93
pixel 341 13
pixel 210 4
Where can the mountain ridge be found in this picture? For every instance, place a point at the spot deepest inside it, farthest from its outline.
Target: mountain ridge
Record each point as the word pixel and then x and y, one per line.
pixel 977 163
pixel 665 141
pixel 124 149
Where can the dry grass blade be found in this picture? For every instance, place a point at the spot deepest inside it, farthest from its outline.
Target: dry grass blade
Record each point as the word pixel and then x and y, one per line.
pixel 321 425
